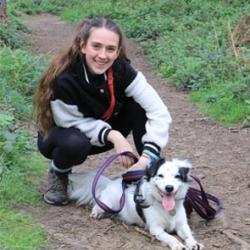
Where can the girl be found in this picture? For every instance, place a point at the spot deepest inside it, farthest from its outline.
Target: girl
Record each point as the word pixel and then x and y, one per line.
pixel 89 100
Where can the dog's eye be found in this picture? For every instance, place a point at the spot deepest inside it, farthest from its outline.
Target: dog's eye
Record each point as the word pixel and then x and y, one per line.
pixel 160 175
pixel 178 176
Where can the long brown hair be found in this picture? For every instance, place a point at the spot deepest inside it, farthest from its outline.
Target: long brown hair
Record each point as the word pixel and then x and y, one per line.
pixel 67 56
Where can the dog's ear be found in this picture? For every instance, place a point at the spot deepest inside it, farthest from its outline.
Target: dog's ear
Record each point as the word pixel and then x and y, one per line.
pixel 183 172
pixel 184 168
pixel 153 167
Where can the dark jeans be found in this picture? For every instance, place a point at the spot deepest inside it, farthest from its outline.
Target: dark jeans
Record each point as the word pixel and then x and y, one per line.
pixel 69 147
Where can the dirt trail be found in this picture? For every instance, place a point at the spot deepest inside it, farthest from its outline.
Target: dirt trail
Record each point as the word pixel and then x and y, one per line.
pixel 220 157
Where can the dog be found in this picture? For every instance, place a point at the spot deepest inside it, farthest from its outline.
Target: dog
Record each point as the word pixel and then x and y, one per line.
pixel 160 208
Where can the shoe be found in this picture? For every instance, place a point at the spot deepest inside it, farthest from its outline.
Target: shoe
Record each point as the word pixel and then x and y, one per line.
pixel 57 189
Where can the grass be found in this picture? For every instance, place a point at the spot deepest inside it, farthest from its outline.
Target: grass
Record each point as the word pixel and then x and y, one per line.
pixel 221 106
pixel 18 192
pixel 20 165
pixel 20 231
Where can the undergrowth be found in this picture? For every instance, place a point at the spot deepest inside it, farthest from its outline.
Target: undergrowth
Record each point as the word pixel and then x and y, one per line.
pixel 20 165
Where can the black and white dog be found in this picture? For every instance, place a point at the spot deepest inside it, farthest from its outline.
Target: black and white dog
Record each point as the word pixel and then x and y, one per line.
pixel 163 188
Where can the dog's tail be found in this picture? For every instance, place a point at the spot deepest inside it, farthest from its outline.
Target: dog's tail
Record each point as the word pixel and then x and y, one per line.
pixel 80 187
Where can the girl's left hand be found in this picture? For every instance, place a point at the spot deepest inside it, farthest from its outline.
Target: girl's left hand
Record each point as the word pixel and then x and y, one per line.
pixel 140 165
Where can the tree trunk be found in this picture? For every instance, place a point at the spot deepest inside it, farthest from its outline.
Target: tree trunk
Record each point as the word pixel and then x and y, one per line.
pixel 3 11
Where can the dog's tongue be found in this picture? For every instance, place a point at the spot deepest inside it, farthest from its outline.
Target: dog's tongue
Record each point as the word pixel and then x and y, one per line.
pixel 168 202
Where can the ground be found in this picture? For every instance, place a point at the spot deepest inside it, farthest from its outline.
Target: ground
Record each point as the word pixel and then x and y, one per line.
pixel 220 158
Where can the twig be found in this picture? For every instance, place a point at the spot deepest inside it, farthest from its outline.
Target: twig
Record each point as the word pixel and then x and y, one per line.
pixel 232 40
pixel 152 238
pixel 110 227
pixel 235 239
pixel 124 225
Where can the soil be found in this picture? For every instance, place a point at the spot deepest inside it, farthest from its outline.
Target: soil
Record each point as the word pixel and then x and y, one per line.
pixel 220 158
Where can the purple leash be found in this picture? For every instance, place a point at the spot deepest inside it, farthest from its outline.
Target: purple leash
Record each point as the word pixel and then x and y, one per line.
pixel 199 201
pixel 127 177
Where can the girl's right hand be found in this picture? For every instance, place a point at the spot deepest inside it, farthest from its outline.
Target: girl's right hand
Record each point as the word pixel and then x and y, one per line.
pixel 121 145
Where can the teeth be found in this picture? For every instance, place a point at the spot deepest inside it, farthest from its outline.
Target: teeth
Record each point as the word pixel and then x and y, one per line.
pixel 100 63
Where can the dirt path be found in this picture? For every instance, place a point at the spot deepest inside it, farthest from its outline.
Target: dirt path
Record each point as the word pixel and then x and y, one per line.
pixel 220 157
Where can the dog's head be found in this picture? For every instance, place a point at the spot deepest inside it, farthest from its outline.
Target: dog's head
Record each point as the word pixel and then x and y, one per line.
pixel 169 179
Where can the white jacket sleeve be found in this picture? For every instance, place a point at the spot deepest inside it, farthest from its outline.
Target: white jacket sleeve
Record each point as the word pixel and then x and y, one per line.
pixel 67 116
pixel 159 119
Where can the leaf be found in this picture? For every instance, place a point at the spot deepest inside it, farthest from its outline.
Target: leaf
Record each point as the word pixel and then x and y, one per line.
pixel 8 147
pixel 6 119
pixel 9 136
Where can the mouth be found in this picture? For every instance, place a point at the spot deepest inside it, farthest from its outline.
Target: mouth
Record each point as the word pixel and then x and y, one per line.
pixel 168 200
pixel 100 63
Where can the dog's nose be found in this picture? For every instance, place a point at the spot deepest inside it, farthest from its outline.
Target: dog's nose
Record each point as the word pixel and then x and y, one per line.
pixel 169 188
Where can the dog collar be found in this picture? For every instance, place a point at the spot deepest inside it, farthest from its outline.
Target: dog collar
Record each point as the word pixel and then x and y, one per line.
pixel 172 212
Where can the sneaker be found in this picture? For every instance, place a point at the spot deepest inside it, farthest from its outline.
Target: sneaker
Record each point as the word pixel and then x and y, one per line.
pixel 57 189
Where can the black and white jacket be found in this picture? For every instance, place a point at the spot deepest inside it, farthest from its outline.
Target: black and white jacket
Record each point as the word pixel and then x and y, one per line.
pixel 80 99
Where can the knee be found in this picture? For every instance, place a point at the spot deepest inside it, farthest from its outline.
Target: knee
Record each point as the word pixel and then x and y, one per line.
pixel 77 144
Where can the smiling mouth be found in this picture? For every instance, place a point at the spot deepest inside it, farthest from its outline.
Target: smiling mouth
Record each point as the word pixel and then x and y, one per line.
pixel 100 63
pixel 168 201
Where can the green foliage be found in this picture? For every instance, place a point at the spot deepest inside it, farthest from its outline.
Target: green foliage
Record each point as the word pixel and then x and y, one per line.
pixel 19 74
pixel 225 103
pixel 20 231
pixel 20 166
pixel 12 33
pixel 41 6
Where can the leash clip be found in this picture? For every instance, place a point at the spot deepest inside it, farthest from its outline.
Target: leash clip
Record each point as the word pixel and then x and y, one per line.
pixel 138 198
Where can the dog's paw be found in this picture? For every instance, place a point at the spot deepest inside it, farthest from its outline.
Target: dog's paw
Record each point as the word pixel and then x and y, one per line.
pixel 96 215
pixel 179 246
pixel 194 246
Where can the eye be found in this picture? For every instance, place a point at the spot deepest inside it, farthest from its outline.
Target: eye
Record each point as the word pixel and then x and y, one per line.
pixel 160 175
pixel 96 46
pixel 111 49
pixel 178 176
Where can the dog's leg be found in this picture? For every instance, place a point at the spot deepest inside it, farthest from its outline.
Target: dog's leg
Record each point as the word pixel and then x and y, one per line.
pixel 185 233
pixel 166 238
pixel 110 197
pixel 97 212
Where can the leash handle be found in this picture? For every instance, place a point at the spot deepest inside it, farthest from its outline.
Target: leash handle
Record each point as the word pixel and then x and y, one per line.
pixel 97 176
pixel 199 200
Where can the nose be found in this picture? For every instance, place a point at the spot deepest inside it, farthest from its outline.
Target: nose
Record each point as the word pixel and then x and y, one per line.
pixel 169 188
pixel 102 53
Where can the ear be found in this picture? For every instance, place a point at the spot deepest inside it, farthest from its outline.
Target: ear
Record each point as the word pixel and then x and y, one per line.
pixel 184 163
pixel 183 172
pixel 184 168
pixel 118 52
pixel 153 167
pixel 82 46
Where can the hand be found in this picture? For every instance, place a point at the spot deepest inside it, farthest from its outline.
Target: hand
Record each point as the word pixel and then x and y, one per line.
pixel 121 145
pixel 140 165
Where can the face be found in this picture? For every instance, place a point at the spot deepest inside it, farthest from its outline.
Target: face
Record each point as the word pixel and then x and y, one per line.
pixel 101 50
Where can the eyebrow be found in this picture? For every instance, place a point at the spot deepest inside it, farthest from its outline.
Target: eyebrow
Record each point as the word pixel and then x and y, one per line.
pixel 110 46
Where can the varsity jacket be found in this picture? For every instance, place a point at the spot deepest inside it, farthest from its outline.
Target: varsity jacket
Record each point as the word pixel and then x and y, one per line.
pixel 80 99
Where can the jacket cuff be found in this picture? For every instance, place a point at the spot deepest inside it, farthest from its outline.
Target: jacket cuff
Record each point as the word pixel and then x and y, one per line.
pixel 103 135
pixel 151 149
